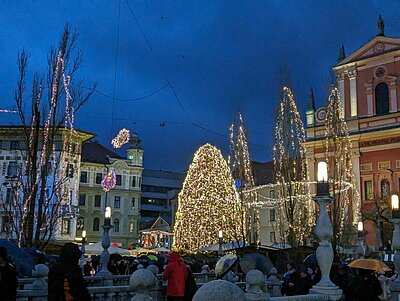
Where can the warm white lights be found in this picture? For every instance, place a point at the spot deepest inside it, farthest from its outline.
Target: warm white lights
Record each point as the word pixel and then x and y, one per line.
pixel 322 172
pixel 395 202
pixel 108 212
pixel 360 226
pixel 220 235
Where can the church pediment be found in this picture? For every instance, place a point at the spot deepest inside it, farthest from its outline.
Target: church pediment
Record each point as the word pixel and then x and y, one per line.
pixel 377 46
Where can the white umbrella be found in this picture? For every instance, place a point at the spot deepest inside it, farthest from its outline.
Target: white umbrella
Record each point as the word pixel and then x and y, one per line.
pixel 225 247
pixel 161 249
pixel 96 249
pixel 143 250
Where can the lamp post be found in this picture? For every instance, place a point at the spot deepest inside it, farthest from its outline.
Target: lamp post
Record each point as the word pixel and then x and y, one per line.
pixel 105 243
pixel 395 285
pixel 360 237
pixel 83 248
pixel 220 242
pixel 324 231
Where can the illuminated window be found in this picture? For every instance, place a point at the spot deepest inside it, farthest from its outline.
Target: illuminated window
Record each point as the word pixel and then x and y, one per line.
pixel 385 189
pixel 65 227
pixel 131 227
pixel 368 192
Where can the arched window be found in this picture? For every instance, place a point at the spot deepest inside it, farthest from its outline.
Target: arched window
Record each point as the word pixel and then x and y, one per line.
pixel 96 224
pixel 80 223
pixel 116 225
pixel 382 99
pixel 385 189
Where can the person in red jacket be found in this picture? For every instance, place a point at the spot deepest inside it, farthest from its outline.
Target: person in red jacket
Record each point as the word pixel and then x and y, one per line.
pixel 176 275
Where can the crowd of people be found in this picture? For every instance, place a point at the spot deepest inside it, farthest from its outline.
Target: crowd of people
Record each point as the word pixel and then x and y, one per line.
pixel 66 277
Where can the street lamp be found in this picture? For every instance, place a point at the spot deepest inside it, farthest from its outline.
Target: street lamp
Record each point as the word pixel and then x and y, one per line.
pixel 360 238
pixel 82 260
pixel 324 232
pixel 220 242
pixel 105 243
pixel 396 235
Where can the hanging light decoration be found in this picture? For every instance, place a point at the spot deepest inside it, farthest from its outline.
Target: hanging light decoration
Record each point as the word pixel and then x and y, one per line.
pixel 109 180
pixel 122 137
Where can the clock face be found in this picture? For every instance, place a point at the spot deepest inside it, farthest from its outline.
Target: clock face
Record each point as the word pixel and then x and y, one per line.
pixel 379 48
pixel 321 115
pixel 380 72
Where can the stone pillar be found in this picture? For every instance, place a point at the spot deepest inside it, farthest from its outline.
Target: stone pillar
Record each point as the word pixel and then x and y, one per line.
pixel 140 283
pixel 256 286
pixel 370 105
pixel 392 93
pixel 324 251
pixel 355 162
pixel 275 282
pixel 40 272
pixel 340 80
pixel 353 93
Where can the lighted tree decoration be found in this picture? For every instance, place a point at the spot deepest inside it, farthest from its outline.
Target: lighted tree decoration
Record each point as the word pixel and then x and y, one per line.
pixel 290 165
pixel 207 203
pixel 42 184
pixel 240 165
pixel 345 210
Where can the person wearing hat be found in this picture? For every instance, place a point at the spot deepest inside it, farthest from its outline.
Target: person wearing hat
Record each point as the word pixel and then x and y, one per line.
pixel 8 278
pixel 65 281
pixel 304 282
pixel 176 275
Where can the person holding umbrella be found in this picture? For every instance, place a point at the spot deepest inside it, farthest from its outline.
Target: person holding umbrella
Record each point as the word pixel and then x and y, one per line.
pixel 176 275
pixel 366 287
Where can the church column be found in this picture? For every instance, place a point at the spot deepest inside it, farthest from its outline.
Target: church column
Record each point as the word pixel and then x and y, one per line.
pixel 392 95
pixel 353 93
pixel 340 79
pixel 370 107
pixel 355 162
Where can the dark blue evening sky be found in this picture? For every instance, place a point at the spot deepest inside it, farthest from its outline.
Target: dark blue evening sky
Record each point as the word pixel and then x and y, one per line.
pixel 219 56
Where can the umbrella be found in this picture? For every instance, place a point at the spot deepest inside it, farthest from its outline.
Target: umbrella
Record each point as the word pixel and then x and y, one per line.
pixel 256 261
pixel 369 264
pixel 311 261
pixel 162 250
pixel 152 257
pixel 142 250
pixel 225 247
pixel 225 263
pixel 23 261
pixel 96 249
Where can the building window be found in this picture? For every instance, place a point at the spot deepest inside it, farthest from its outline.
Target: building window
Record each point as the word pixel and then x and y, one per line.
pixel 272 194
pixel 382 99
pixel 65 227
pixel 97 200
pixel 131 227
pixel 385 189
pixel 83 177
pixel 82 199
pixel 14 144
pixel 116 225
pixel 271 215
pixel 96 224
pixel 272 238
pixel 133 181
pixel 80 223
pixel 5 224
pixel 8 195
pixel 70 170
pixel 368 192
pixel 12 169
pixel 133 203
pixel 117 202
pixel 99 178
pixel 118 180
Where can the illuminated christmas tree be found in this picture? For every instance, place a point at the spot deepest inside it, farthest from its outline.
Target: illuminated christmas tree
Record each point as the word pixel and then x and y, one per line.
pixel 240 164
pixel 290 165
pixel 207 203
pixel 345 209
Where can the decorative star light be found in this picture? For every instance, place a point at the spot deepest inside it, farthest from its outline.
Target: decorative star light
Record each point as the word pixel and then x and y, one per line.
pixel 109 181
pixel 122 137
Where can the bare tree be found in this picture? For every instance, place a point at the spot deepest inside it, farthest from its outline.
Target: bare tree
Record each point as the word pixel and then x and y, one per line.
pixel 40 186
pixel 290 165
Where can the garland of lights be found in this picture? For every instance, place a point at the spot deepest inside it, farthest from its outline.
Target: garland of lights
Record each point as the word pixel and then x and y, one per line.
pixel 338 156
pixel 294 215
pixel 109 180
pixel 122 137
pixel 207 203
pixel 240 164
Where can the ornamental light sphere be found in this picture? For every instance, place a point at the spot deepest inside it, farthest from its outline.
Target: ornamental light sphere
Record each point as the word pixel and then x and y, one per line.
pixel 108 213
pixel 322 172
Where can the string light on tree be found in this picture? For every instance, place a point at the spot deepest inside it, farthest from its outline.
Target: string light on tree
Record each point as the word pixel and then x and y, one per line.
pixel 295 217
pixel 207 203
pixel 345 210
pixel 122 138
pixel 240 164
